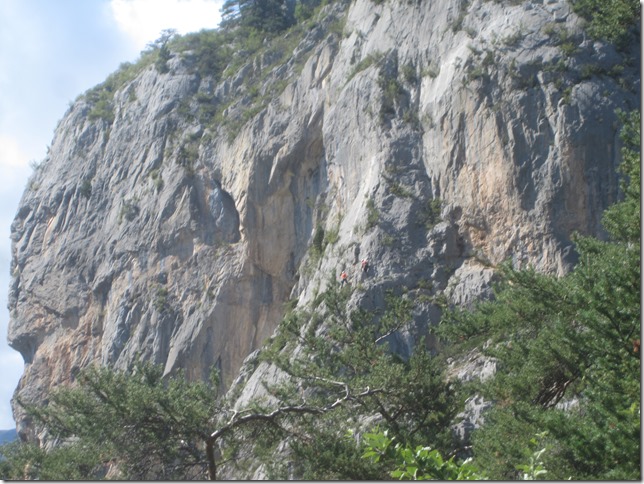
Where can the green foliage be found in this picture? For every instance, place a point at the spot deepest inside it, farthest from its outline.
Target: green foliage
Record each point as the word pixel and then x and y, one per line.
pixel 424 463
pixel 188 155
pixel 23 461
pixel 419 463
pixel 102 108
pixel 157 179
pixel 161 63
pixel 609 20
pixel 344 357
pixel 318 239
pixel 161 299
pixel 623 219
pixel 333 453
pixel 86 188
pixel 409 73
pixel 560 340
pixel 258 35
pixel 151 427
pixel 365 63
pixel 373 216
pixel 304 10
pixel 332 235
pixel 392 91
pixel 431 70
pixel 129 210
pixel 266 16
pixel 101 97
pixel 534 469
pixel 562 38
pixel 430 213
pixel 318 245
pixel 513 39
pixel 163 51
pixel 398 190
pixel 210 50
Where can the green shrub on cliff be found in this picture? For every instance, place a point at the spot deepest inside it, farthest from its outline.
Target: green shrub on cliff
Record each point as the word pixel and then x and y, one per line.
pixel 609 20
pixel 567 352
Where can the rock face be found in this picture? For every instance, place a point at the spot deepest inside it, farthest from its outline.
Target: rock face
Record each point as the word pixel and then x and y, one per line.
pixel 437 139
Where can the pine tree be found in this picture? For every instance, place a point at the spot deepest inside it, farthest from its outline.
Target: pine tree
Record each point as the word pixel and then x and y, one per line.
pixel 151 428
pixel 266 16
pixel 572 340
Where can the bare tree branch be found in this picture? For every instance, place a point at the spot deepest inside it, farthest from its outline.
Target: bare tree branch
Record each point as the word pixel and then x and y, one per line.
pixel 236 421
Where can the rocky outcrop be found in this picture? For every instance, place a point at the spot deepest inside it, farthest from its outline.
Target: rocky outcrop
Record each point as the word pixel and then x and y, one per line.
pixel 435 138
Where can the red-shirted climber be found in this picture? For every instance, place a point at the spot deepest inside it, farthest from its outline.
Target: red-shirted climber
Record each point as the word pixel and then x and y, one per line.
pixel 343 278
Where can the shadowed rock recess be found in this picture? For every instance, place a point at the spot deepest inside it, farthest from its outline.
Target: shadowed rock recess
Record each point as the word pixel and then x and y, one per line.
pixel 437 139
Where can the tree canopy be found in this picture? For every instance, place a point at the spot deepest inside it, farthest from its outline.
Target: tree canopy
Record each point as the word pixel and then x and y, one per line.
pixel 269 16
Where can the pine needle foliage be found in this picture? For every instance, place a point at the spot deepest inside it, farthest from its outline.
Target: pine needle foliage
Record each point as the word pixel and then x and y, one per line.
pixel 567 351
pixel 343 356
pixel 149 427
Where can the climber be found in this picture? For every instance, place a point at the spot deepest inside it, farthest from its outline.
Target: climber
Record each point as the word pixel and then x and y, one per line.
pixel 365 265
pixel 343 278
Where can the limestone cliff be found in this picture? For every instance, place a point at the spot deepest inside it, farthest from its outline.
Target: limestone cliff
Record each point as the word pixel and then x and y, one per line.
pixel 437 139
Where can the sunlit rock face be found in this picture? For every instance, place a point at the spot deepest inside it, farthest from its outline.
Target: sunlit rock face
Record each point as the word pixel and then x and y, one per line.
pixel 437 139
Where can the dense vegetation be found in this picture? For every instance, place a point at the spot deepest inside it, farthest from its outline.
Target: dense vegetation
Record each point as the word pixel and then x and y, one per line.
pixel 571 340
pixel 609 20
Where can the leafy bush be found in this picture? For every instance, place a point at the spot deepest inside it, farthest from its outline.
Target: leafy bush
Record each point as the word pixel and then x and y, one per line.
pixel 392 90
pixel 318 244
pixel 365 63
pixel 373 216
pixel 430 214
pixel 609 20
pixel 409 73
pixel 129 210
pixel 418 464
pixel 101 97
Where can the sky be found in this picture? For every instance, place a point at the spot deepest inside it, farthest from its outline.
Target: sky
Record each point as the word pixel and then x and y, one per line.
pixel 51 51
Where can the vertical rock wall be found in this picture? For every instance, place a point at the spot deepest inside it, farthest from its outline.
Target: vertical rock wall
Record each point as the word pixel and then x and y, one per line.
pixel 150 236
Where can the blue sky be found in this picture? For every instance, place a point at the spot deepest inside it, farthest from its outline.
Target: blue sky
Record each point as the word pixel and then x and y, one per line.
pixel 51 51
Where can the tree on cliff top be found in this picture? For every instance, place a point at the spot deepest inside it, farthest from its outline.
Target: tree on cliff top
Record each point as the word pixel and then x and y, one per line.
pixel 269 16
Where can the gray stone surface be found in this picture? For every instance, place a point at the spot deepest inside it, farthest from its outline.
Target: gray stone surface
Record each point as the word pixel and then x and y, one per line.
pixel 194 271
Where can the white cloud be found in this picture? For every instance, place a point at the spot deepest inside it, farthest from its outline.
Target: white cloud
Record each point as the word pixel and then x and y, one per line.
pixel 11 155
pixel 143 20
